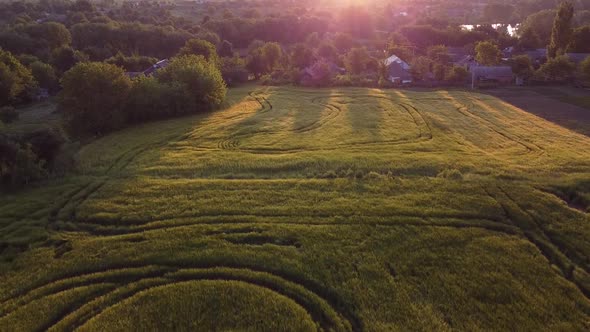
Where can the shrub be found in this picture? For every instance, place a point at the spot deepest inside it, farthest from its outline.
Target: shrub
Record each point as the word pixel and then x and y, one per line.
pixel 8 114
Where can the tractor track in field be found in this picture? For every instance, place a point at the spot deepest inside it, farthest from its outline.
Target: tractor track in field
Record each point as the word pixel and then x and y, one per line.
pixel 333 111
pixel 321 303
pixel 534 232
pixel 531 148
pixel 116 229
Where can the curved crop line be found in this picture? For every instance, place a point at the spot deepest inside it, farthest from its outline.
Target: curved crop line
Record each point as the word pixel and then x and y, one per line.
pixel 465 110
pixel 308 294
pixel 417 117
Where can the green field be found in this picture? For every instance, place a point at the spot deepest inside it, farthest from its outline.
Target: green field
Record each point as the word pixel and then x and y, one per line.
pixel 298 210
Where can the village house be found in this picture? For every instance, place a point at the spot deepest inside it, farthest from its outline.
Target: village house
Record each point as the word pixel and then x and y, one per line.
pixel 490 76
pixel 398 71
pixel 151 70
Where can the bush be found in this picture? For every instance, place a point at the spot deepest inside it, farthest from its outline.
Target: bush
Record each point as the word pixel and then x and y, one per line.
pixel 8 114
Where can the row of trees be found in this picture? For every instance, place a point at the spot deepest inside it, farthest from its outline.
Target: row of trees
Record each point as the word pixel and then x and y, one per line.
pixel 98 97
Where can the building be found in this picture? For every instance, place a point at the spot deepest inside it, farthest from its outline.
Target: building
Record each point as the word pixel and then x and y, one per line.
pixel 398 71
pixel 151 70
pixel 490 76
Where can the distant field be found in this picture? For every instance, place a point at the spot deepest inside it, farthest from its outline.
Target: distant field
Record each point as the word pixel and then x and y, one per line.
pixel 300 209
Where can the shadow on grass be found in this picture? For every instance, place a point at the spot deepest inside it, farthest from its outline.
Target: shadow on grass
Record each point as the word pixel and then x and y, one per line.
pixel 565 106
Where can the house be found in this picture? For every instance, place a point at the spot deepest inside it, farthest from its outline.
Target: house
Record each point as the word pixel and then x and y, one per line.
pixel 457 53
pixel 151 70
pixel 158 65
pixel 398 71
pixel 320 72
pixel 486 76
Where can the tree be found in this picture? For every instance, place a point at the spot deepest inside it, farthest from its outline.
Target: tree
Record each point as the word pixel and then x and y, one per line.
pixel 226 49
pixel 234 70
pixel 93 97
pixel 313 40
pixel 327 50
pixel 44 74
pixel 420 68
pixel 487 53
pixel 133 63
pixel 439 54
pixel 16 81
pixel 65 57
pixel 272 53
pixel 356 60
pixel 200 47
pixel 522 66
pixel 255 63
pixel 209 36
pixel 529 39
pixel 343 42
pixel 561 34
pixel 580 40
pixel 148 100
pixel 456 74
pixel 53 34
pixel 200 82
pixel 540 23
pixel 559 68
pixel 301 56
pixel 585 68
pixel 498 13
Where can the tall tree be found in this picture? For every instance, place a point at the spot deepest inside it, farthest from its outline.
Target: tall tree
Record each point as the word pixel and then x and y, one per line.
pixel 200 47
pixel 561 34
pixel 93 97
pixel 487 53
pixel 15 79
pixel 272 53
pixel 356 60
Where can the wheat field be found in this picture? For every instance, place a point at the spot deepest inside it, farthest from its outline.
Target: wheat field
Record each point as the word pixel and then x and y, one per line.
pixel 295 209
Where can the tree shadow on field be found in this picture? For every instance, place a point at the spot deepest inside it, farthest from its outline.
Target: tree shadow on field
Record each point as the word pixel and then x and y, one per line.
pixel 565 106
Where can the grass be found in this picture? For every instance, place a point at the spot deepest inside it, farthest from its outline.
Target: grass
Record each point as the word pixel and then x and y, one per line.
pixel 300 209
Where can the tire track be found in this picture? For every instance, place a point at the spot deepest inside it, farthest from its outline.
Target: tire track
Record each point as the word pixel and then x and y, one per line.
pixel 323 304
